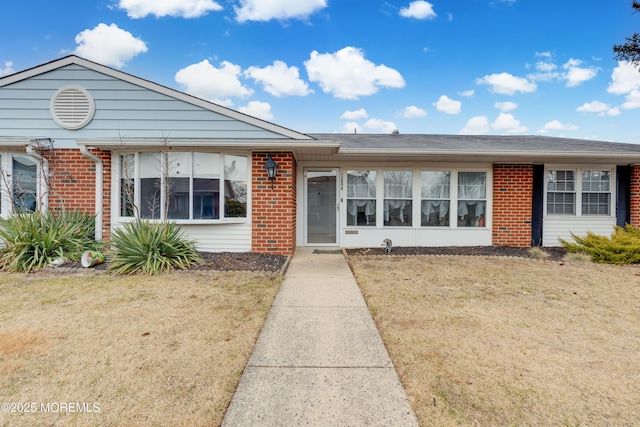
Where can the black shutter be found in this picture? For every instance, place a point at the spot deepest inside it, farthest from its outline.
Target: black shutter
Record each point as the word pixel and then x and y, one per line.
pixel 623 195
pixel 537 205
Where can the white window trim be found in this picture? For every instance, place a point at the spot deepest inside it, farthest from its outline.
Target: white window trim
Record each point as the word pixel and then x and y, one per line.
pixel 577 170
pixel 116 196
pixel 417 196
pixel 6 183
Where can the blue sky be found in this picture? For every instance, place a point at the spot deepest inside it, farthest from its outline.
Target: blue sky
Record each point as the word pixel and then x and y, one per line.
pixel 455 67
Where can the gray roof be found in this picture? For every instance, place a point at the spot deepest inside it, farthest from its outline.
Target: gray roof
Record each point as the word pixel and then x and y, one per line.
pixel 482 148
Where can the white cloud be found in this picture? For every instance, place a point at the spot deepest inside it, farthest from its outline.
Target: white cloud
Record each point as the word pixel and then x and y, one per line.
pixel 279 79
pixel 355 115
pixel 505 107
pixel 8 69
pixel 380 126
pixel 348 75
pixel 633 100
pixel 572 71
pixel 468 93
pixel 419 10
pixel 447 105
pixel 261 110
pixel 506 123
pixel 215 84
pixel 159 8
pixel 478 125
pixel 352 127
pixel 263 10
pixel 507 84
pixel 624 79
pixel 575 75
pixel 555 125
pixel 108 45
pixel 598 107
pixel 412 112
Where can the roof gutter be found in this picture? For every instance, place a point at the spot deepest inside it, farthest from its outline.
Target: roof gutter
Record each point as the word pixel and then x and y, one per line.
pixel 99 188
pixel 44 167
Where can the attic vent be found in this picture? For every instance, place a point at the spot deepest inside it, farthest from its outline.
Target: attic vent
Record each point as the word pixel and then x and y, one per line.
pixel 72 107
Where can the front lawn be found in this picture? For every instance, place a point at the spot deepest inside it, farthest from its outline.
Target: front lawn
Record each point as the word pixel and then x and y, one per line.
pixel 494 341
pixel 167 350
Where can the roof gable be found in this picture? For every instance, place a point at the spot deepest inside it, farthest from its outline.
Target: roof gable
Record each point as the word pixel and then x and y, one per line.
pixel 76 63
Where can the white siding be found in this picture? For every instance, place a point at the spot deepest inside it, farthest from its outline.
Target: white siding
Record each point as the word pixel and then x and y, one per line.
pixel 123 110
pixel 373 237
pixel 217 237
pixel 556 228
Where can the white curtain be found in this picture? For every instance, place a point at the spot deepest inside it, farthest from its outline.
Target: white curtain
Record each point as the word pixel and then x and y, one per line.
pixel 431 206
pixel 361 192
pixel 397 185
pixel 472 191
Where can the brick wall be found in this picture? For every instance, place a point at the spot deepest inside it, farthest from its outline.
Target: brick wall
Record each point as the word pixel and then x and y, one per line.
pixel 72 184
pixel 634 201
pixel 274 211
pixel 512 205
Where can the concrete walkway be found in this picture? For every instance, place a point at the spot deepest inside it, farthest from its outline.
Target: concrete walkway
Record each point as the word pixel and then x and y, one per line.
pixel 319 360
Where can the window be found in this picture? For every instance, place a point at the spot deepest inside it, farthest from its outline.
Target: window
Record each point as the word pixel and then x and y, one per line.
pixel 398 196
pixel 183 185
pixel 24 183
pixel 596 192
pixel 472 199
pixel 435 186
pixel 150 188
pixel 361 198
pixel 579 192
pixel 235 186
pixel 561 192
pixel 127 185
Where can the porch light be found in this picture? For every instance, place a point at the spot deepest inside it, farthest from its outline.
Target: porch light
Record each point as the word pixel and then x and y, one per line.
pixel 272 167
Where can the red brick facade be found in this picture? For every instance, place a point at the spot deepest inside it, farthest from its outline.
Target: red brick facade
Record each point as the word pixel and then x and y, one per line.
pixel 72 183
pixel 635 196
pixel 512 205
pixel 273 211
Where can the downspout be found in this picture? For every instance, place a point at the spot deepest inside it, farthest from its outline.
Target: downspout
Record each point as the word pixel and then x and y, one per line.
pixel 44 167
pixel 99 188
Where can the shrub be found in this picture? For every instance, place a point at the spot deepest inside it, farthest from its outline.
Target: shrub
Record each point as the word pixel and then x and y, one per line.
pixel 150 248
pixel 34 240
pixel 623 247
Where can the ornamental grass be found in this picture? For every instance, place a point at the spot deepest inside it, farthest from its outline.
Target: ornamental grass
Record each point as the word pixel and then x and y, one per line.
pixel 151 248
pixel 33 240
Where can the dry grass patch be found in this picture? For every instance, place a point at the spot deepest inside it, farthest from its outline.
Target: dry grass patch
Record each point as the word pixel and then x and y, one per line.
pixel 497 341
pixel 150 351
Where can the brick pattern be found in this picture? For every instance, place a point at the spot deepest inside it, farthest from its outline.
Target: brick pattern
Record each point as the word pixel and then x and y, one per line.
pixel 512 205
pixel 72 183
pixel 634 202
pixel 274 211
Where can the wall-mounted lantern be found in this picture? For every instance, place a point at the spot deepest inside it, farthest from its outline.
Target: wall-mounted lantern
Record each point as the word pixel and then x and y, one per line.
pixel 272 167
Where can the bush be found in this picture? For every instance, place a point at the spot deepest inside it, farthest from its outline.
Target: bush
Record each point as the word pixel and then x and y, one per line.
pixel 623 247
pixel 150 248
pixel 34 240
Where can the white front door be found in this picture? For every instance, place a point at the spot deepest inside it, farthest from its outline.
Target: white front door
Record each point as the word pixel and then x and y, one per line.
pixel 322 203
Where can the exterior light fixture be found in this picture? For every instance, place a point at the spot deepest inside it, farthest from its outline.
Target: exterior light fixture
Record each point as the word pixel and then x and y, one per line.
pixel 272 167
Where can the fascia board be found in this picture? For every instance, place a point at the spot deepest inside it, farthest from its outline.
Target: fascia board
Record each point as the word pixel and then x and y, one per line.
pixel 268 144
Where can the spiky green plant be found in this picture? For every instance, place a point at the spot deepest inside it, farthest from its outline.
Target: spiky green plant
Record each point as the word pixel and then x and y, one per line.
pixel 33 240
pixel 150 248
pixel 622 247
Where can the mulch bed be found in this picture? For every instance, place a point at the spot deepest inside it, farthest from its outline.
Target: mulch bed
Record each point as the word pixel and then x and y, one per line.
pixel 555 254
pixel 221 261
pixel 249 261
